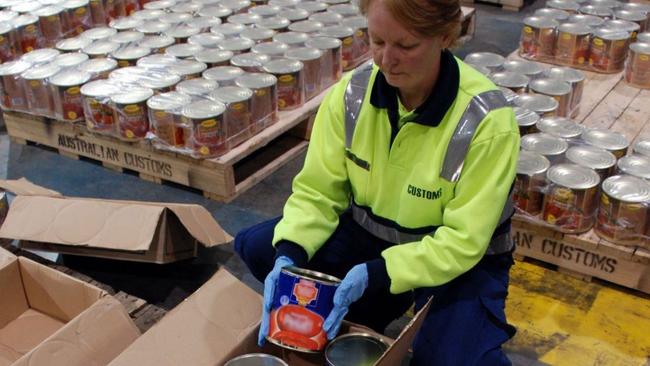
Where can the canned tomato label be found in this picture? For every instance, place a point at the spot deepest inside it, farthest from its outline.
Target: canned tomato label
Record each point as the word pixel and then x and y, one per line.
pixel 311 59
pixel 290 82
pixel 166 120
pixel 608 50
pixel 332 67
pixel 28 32
pixel 538 37
pixel 264 104
pixel 68 101
pixel 51 23
pixel 131 114
pixel 12 91
pixel 571 202
pixel 98 112
pixel 8 42
pixel 572 45
pixel 637 71
pixel 37 89
pixel 303 300
pixel 78 17
pixel 623 210
pixel 208 130
pixel 529 185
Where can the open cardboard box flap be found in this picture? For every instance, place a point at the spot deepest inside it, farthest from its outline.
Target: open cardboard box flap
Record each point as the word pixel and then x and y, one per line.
pixel 96 223
pixel 220 321
pixel 23 187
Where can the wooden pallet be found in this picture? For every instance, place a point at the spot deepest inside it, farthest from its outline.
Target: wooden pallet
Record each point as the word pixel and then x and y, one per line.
pixel 510 5
pixel 223 178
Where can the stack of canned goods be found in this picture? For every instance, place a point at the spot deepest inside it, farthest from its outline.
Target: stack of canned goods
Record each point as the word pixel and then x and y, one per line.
pixel 593 35
pixel 637 68
pixel 548 91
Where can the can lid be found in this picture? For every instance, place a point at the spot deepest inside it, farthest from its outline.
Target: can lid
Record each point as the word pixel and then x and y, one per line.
pixel 623 25
pixel 644 8
pixel 250 59
pixel 236 44
pixel 265 10
pixel 256 359
pixel 312 6
pixel 573 176
pixel 257 34
pixel 244 18
pixel 525 117
pixel 228 29
pixel 627 188
pixel 271 48
pixel 158 80
pixel 72 44
pixel 609 140
pixel 99 88
pixel 355 349
pixel 130 53
pixel 40 72
pixel 73 4
pixel 536 102
pixel 636 165
pixel 206 40
pixel 183 50
pixel 507 93
pixel 70 77
pixel 187 7
pixel 561 127
pixel 337 31
pixel 643 37
pixel 347 10
pixel 568 5
pixel 187 67
pixel 6 16
pixel 125 23
pixel 282 66
pixel 487 59
pixel 564 73
pixel 306 26
pixel 235 5
pixel 5 27
pixel 70 59
pixel 531 163
pixel 285 3
pixel 304 54
pixel 231 94
pixel 132 95
pixel 98 65
pixel 153 26
pixel 215 11
pixel 48 11
pixel 295 15
pixel 312 275
pixel 203 109
pixel 160 41
pixel 175 18
pixel 606 3
pixel 197 86
pixel 222 73
pixel 40 55
pixel 275 23
pixel 291 37
pixel 509 79
pixel 550 86
pixel 147 14
pixel 630 15
pixel 214 56
pixel 24 19
pixel 101 47
pixel 356 22
pixel 98 33
pixel 326 17
pixel 256 80
pixel 26 7
pixel 642 146
pixel 524 67
pixel 129 74
pixel 182 31
pixel 324 43
pixel 126 37
pixel 600 11
pixel 169 101
pixel 553 13
pixel 157 61
pixel 204 22
pixel 541 22
pixel 611 34
pixel 543 143
pixel 591 157
pixel 159 5
pixel 574 28
pixel 590 20
pixel 640 48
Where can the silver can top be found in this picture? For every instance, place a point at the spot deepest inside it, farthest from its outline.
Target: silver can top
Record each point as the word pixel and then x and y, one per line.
pixel 203 109
pixel 564 73
pixel 157 61
pixel 337 31
pixel 487 59
pixel 183 50
pixel 566 5
pixel 627 188
pixel 573 176
pixel 236 44
pixel 204 22
pixel 326 17
pixel 244 18
pixel 275 23
pixel 525 117
pixel 215 11
pixel 187 67
pixel 101 47
pixel 98 33
pixel 40 56
pixel 211 56
pixel 553 87
pixel 355 349
pixel 130 53
pixel 541 22
pixel 636 165
pixel 642 146
pixel 544 144
pixel 579 29
pixel 561 127
pixel 509 79
pixel 630 15
pixel 591 157
pixel 623 25
pixel 126 37
pixel 132 95
pixel 271 48
pixel 175 18
pixel 70 59
pixel 283 66
pixel 306 26
pixel 197 86
pixel 611 34
pixel 536 102
pixel 258 34
pixel 206 40
pixel 147 14
pixel 524 67
pixel 125 23
pixel 160 41
pixel 599 11
pixel 70 77
pixel 304 54
pixel 643 37
pixel 291 38
pixel 606 3
pixel 169 101
pixel 187 7
pixel 324 43
pixel 228 29
pixel 250 59
pixel 256 359
pixel 256 80
pixel 231 94
pixel 552 13
pixel 640 48
pixel 99 89
pixel 266 11
pixel 222 73
pixel 530 163
pixel 295 15
pixel 590 20
pixel 608 140
pixel 158 80
pixel 72 44
pixel 98 65
pixel 159 5
pixel 312 6
pixel 41 72
pixel 182 31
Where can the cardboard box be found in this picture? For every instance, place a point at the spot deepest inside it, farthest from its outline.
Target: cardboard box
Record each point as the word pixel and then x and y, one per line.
pixel 48 318
pixel 219 322
pixel 137 231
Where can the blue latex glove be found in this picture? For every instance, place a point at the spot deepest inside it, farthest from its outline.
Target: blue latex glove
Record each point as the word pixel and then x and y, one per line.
pixel 270 285
pixel 349 291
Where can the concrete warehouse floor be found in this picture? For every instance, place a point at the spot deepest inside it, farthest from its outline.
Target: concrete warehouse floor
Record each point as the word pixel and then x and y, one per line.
pixel 561 320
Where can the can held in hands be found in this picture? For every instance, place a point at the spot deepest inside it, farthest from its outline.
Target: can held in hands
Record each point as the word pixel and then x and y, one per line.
pixel 302 301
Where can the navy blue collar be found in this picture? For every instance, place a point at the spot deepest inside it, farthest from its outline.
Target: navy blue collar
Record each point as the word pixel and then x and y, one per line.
pixel 433 110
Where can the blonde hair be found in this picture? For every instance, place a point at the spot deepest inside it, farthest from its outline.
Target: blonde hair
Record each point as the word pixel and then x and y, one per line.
pixel 429 18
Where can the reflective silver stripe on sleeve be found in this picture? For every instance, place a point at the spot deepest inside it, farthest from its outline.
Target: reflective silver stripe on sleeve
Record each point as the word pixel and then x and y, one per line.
pixel 382 231
pixel 476 110
pixel 354 96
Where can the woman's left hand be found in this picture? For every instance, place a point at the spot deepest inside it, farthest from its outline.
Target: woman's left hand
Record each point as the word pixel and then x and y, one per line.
pixel 349 291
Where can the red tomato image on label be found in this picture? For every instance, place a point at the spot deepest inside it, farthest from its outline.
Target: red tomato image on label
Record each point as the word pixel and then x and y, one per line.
pixel 305 291
pixel 296 326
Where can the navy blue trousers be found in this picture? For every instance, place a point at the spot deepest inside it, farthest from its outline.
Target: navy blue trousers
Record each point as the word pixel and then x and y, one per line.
pixel 466 324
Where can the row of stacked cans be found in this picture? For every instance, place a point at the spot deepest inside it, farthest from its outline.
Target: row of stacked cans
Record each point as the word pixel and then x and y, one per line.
pixel 595 36
pixel 552 91
pixel 574 179
pixel 29 25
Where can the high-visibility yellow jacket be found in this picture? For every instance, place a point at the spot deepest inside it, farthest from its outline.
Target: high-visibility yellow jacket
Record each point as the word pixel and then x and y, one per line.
pixel 392 174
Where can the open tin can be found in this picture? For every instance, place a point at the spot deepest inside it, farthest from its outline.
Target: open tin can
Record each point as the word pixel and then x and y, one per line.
pixel 256 359
pixel 355 349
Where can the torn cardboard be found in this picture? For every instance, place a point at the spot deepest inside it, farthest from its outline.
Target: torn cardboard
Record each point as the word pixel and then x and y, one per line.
pixel 48 318
pixel 219 322
pixel 127 230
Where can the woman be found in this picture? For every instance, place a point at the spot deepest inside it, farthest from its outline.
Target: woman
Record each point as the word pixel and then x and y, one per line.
pixel 405 192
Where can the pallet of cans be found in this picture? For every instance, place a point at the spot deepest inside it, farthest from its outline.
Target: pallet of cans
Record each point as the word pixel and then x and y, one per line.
pixel 595 35
pixel 547 91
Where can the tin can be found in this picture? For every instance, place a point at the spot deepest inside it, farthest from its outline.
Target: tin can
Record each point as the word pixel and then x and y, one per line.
pixel 273 49
pixel 199 87
pixel 208 130
pixel 558 90
pixel 258 35
pixel 228 30
pixel 638 7
pixel 346 36
pixel 244 18
pixel 347 10
pixel 266 11
pixel 68 60
pixel 600 160
pixel 572 45
pixel 518 83
pixel 203 24
pixel 637 69
pixel 223 75
pixel 538 37
pixel 214 57
pixel 533 70
pixel 590 20
pixel 312 6
pixel 187 7
pixel 114 9
pixel 361 38
pixel 101 48
pixel 296 15
pixel 569 6
pixel 157 44
pixel 635 165
pixel 73 44
pixel 541 104
pixel 328 18
pixel 28 32
pixel 77 16
pixel 237 6
pixel 507 93
pixel 623 210
pixel 40 56
pixel 250 61
pixel 486 59
pixel 126 24
pixel 561 127
pixel 159 4
pixel 175 18
pixel 291 82
pixel 256 359
pixel 552 13
pixel 553 148
pixel 612 141
pixel 354 349
pixel 264 103
pixel 128 56
pixel 127 38
pixel 571 202
pixel 183 50
pixel 598 11
pixel 128 75
pixel 159 81
pixel 68 101
pixel 51 22
pixel 9 46
pixel 643 37
pixel 98 33
pixel 302 301
pixel 98 68
pixel 206 40
pixel 642 147
pixel 237 117
pixel 526 120
pixel 608 50
pixel 332 67
pixel 219 12
pixel 575 78
pixel 236 45
pixel 530 182
pixel 181 32
pixel 130 110
pixel 637 17
pixel 153 27
pixel 312 59
pixel 96 105
pixel 278 24
pixel 292 39
pixel 38 92
pixel 98 13
pixel 12 91
pixel 165 117
pixel 625 26
pixel 310 27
